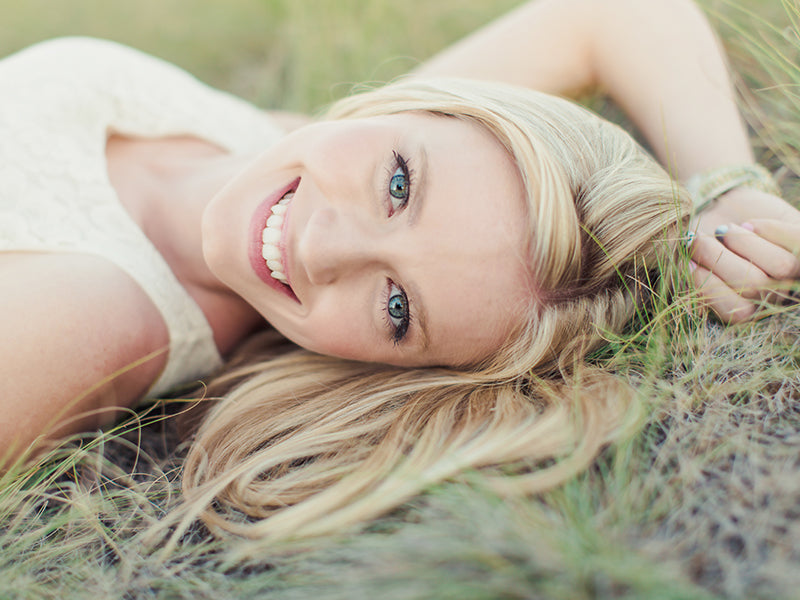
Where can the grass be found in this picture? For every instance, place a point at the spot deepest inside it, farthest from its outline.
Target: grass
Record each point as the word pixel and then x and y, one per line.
pixel 276 53
pixel 701 503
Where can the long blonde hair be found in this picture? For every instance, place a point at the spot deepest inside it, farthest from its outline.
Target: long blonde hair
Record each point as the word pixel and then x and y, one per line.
pixel 305 445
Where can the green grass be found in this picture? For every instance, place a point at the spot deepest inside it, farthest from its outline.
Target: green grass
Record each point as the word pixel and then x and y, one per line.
pixel 701 503
pixel 277 53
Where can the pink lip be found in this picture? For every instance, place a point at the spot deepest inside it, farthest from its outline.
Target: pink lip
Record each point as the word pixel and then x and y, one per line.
pixel 257 262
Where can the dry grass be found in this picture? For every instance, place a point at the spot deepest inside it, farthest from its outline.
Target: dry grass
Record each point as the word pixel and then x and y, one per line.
pixel 703 502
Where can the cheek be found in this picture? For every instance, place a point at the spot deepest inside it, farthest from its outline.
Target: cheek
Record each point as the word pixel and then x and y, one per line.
pixel 342 321
pixel 332 333
pixel 342 338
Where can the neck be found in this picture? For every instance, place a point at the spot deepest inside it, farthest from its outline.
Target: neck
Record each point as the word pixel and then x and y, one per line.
pixel 165 185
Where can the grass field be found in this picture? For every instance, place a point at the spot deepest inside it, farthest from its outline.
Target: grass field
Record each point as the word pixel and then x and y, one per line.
pixel 276 53
pixel 703 502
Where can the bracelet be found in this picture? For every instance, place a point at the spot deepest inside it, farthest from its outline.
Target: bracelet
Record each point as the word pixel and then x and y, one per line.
pixel 707 186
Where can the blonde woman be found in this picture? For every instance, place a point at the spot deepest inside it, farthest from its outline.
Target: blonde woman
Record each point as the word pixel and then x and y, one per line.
pixel 443 251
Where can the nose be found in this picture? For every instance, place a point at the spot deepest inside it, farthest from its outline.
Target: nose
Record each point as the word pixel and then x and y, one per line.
pixel 335 244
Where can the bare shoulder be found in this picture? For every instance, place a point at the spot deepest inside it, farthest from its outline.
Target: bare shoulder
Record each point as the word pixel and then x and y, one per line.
pixel 71 327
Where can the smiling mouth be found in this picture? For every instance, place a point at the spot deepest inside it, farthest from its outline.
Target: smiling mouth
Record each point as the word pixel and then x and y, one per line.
pixel 271 238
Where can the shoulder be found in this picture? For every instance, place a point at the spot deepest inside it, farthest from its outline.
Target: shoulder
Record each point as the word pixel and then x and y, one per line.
pixel 76 336
pixel 78 301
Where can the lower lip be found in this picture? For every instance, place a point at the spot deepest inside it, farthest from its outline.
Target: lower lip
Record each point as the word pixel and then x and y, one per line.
pixel 257 261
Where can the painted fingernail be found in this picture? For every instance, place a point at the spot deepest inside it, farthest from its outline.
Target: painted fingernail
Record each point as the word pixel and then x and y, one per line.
pixel 688 240
pixel 692 266
pixel 720 232
pixel 748 226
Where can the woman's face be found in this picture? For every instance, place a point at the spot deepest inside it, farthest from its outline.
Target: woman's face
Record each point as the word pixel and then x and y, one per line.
pixel 395 239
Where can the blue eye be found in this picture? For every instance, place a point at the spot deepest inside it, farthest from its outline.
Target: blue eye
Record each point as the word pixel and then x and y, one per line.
pixel 399 185
pixel 397 309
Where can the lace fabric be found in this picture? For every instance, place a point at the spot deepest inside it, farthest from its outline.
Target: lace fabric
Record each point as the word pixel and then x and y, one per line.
pixel 60 101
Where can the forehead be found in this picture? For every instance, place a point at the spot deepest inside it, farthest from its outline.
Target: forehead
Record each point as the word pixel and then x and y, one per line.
pixel 470 239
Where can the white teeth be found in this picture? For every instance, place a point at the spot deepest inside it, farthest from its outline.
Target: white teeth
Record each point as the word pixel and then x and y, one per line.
pixel 270 252
pixel 271 237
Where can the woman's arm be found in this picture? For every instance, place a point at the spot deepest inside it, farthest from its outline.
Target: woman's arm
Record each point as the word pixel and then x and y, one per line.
pixel 658 59
pixel 73 328
pixel 661 62
pixel 543 44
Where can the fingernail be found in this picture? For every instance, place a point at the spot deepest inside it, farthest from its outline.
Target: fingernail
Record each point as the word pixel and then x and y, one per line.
pixel 720 232
pixel 688 240
pixel 692 266
pixel 748 226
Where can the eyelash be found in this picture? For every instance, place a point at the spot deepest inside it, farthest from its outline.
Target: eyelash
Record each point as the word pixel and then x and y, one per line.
pixel 398 330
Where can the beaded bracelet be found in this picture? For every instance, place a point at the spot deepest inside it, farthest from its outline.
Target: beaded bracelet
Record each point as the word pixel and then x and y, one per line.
pixel 707 186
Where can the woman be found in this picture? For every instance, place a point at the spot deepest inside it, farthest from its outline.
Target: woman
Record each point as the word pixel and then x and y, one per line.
pixel 565 223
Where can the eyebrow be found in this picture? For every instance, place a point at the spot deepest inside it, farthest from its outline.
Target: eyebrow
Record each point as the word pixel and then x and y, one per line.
pixel 419 191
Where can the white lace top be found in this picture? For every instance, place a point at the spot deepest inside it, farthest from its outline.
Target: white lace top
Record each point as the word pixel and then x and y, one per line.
pixel 59 102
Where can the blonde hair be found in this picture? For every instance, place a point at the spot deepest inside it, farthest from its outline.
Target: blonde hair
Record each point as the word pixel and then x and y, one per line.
pixel 305 445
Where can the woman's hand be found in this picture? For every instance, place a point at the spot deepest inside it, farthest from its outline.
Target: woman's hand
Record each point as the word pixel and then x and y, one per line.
pixel 750 261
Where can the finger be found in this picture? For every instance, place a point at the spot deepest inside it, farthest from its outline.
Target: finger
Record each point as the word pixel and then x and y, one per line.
pixel 738 273
pixel 784 234
pixel 729 306
pixel 771 258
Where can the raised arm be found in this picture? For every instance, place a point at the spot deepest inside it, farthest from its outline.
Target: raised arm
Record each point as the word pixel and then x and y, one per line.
pixel 662 63
pixel 658 59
